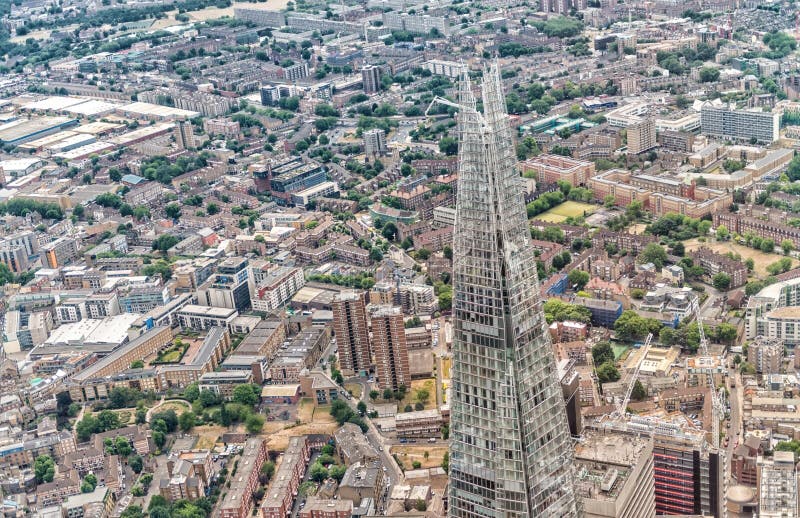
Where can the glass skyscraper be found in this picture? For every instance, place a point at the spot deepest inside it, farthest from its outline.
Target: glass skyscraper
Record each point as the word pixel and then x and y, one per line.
pixel 511 452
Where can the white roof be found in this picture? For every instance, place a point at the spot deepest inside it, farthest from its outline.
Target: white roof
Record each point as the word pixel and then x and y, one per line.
pixel 53 103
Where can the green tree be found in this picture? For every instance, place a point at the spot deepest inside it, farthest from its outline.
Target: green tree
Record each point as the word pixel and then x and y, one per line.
pixel 44 469
pixel 723 233
pixel 607 372
pixel 787 245
pixel 173 210
pixel 246 394
pixel 187 421
pixel 721 281
pixel 578 279
pixel 122 446
pixel 638 393
pixel 254 423
pixel 448 146
pixel 602 352
pixel 318 473
pixel 653 253
pixel 136 463
pixel 137 364
pixel 630 326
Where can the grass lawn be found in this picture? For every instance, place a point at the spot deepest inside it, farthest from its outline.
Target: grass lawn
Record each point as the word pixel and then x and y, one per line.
pixel 761 259
pixel 619 350
pixel 411 396
pixel 409 454
pixel 561 212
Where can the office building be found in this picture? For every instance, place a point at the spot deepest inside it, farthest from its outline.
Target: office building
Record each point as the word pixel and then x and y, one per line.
pixel 740 125
pixel 229 287
pixel 375 142
pixel 60 252
pixel 688 473
pixel 642 136
pixel 371 77
pixel 390 349
pixel 614 473
pixel 777 486
pixel 510 451
pixel 352 333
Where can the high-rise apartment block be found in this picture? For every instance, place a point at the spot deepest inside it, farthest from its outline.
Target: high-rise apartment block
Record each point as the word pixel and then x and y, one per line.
pixel 510 452
pixel 766 354
pixel 390 349
pixel 352 332
pixel 184 135
pixel 371 77
pixel 374 142
pixel 740 125
pixel 777 486
pixel 642 136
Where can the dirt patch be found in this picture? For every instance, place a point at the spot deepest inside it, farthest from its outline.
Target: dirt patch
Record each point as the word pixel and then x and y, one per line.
pixel 354 389
pixel 409 454
pixel 313 419
pixel 178 406
pixel 761 259
pixel 412 396
pixel 208 436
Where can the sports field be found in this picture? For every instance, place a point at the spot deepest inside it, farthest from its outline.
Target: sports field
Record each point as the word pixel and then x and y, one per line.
pixel 560 213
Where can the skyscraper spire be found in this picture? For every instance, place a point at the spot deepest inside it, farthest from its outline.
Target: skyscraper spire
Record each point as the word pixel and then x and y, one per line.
pixel 510 447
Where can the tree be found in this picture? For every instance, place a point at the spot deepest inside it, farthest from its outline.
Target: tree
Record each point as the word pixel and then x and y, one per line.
pixel 607 372
pixel 446 462
pixel 187 421
pixel 318 473
pixel 164 242
pixel 208 398
pixel 387 394
pixel 374 394
pixel 423 395
pixel 361 407
pixel 653 253
pixel 159 438
pixel 721 281
pixel 246 394
pixel 639 393
pixel 787 245
pixel 577 279
pixel 448 146
pixel 89 483
pixel 191 392
pixel 709 74
pixel 136 463
pixel 254 423
pixel 137 364
pixel 750 263
pixel 602 353
pixel 44 468
pixel 726 333
pixel 630 326
pixel 723 233
pixel 173 210
pixel 122 446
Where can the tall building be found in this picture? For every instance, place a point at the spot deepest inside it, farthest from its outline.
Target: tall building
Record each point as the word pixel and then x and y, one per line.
pixel 741 125
pixel 390 349
pixel 374 142
pixel 352 333
pixel 614 472
pixel 688 475
pixel 777 486
pixel 371 77
pixel 184 134
pixel 642 136
pixel 510 452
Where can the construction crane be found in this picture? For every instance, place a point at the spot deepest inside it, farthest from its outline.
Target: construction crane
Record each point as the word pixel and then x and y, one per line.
pixel 716 403
pixel 623 404
pixel 442 100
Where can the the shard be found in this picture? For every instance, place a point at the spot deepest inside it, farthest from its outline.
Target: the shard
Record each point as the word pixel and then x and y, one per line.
pixel 511 452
